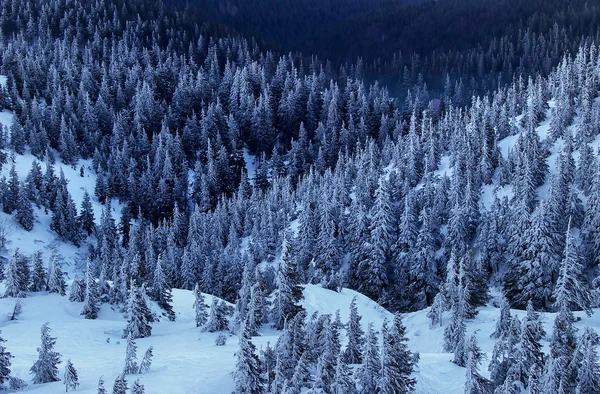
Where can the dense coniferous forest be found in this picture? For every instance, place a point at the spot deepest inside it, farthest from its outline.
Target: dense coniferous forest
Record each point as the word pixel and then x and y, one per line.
pixel 452 165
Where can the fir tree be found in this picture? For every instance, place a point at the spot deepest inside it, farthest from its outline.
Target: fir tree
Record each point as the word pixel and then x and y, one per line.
pixel 71 379
pixel 78 290
pixel 474 382
pixel 138 315
pixel 343 382
pixel 200 307
pixel 101 389
pixel 588 375
pixel 5 362
pixel 217 319
pixel 45 369
pixel 289 292
pixel 56 276
pixel 369 372
pixel 86 216
pixel 39 276
pixel 120 386
pixel 397 362
pixel 146 360
pixel 436 311
pixel 24 215
pixel 13 277
pixel 355 333
pixel 131 366
pixel 137 387
pixel 572 290
pixel 247 375
pixel 91 303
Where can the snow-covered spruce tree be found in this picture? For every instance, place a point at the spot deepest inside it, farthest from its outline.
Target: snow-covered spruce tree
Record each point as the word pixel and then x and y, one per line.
pixel 247 375
pixel 532 332
pixel 558 374
pixel 45 369
pixel 24 215
pixel 16 311
pixel 56 276
pixel 455 331
pixel 588 370
pixel 503 322
pixel 71 380
pixel 572 290
pixel 217 318
pixel 91 301
pixel 288 292
pixel 474 382
pixel 369 372
pixel 101 389
pixel 146 360
pixel 355 333
pixel 138 315
pixel 436 311
pixel 397 362
pixel 374 270
pixel 267 362
pixel 39 276
pixel 13 277
pixel 120 386
pixel 137 387
pixel 255 316
pixel 5 362
pixel 200 307
pixel 86 215
pixel 131 366
pixel 343 381
pixel 78 289
pixel 160 290
pixel 506 355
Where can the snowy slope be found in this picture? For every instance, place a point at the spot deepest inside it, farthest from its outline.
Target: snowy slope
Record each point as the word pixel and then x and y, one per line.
pixel 186 359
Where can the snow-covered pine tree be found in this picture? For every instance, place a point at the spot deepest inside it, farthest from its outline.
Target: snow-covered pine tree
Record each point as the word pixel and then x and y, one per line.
pixel 558 373
pixel 355 333
pixel 267 362
pixel 91 301
pixel 131 366
pixel 78 289
pixel 39 276
pixel 503 322
pixel 101 389
pixel 572 290
pixel 45 369
pixel 369 372
pixel 455 331
pixel 437 309
pixel 137 387
pixel 247 375
pixel 13 277
pixel 217 318
pixel 86 215
pixel 71 380
pixel 120 386
pixel 200 307
pixel 474 382
pixel 138 315
pixel 24 215
pixel 397 362
pixel 56 276
pixel 532 332
pixel 146 360
pixel 289 292
pixel 506 355
pixel 343 381
pixel 5 362
pixel 588 370
pixel 160 291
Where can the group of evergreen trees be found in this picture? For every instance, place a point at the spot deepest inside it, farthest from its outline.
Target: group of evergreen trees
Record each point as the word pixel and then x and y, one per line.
pixel 308 354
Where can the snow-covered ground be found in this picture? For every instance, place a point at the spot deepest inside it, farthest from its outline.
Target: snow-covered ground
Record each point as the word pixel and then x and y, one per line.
pixel 186 360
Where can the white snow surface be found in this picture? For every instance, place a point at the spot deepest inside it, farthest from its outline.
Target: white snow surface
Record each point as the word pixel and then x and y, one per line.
pixel 186 359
